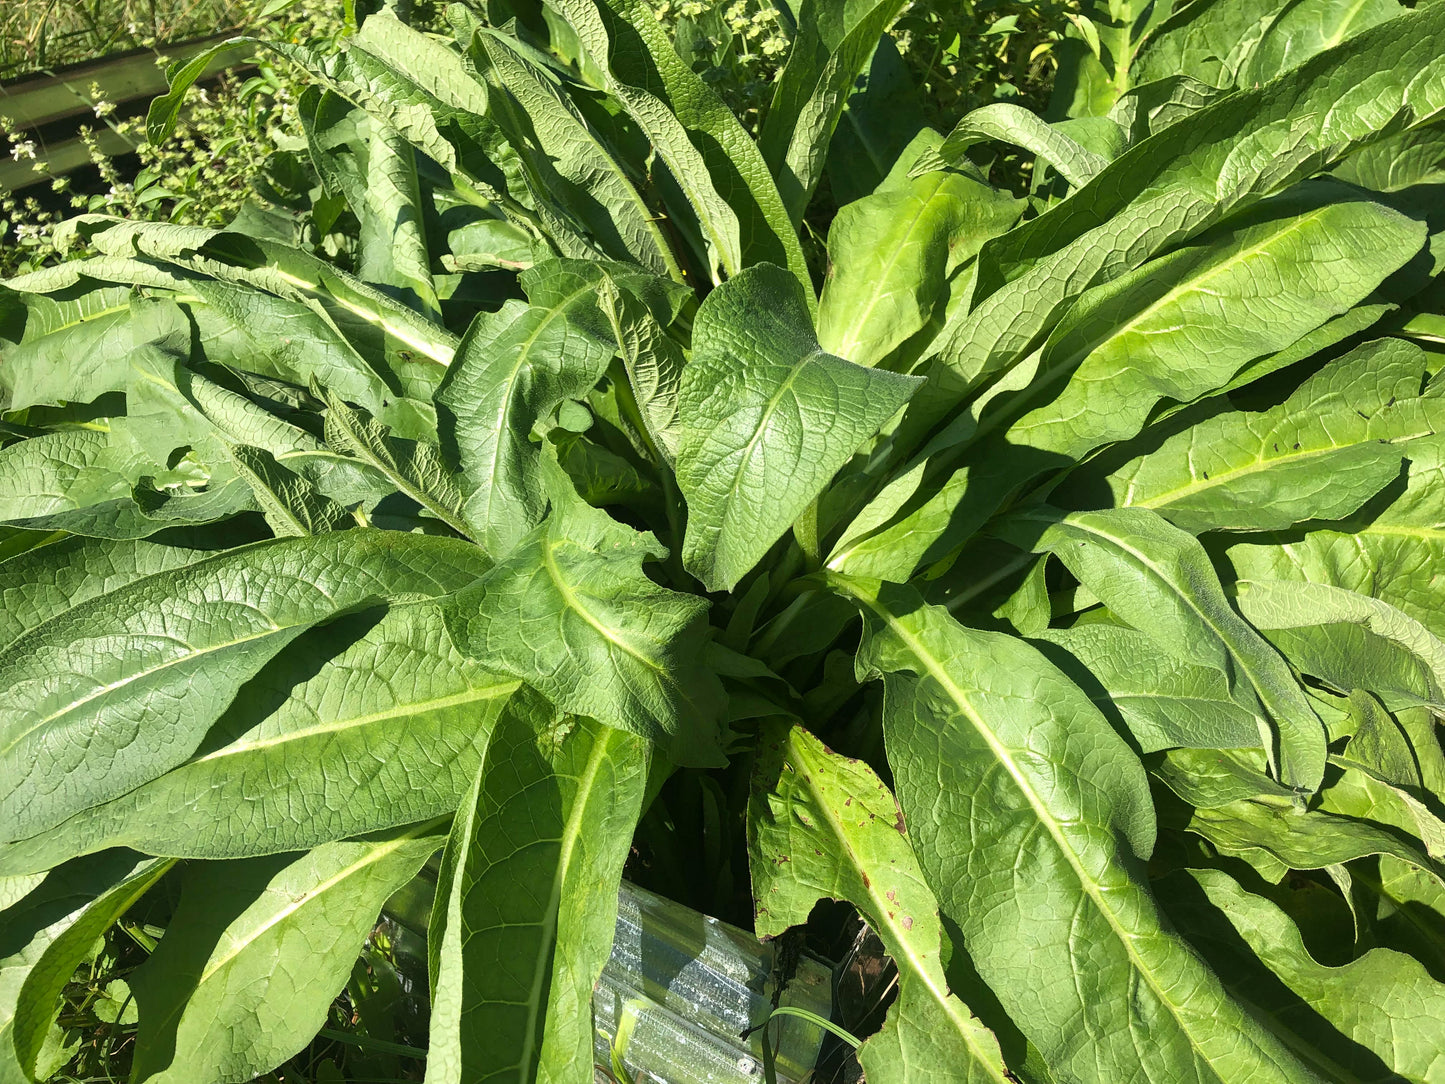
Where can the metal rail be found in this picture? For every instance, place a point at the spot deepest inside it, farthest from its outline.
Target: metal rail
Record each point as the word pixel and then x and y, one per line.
pixel 54 106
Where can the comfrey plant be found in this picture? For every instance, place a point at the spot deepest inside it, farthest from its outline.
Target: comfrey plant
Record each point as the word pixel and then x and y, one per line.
pixel 1102 528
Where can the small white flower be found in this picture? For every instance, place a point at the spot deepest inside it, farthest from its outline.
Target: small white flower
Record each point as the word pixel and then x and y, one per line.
pixel 25 148
pixel 103 109
pixel 28 231
pixel 118 190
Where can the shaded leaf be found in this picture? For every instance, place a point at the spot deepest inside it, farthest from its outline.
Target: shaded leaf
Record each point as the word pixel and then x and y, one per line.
pixel 1373 1018
pixel 832 46
pixel 56 954
pixel 414 467
pixel 1165 701
pixel 513 368
pixel 291 504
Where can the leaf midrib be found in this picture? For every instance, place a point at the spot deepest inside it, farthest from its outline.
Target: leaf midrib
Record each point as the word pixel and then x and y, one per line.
pixel 104 690
pixel 769 409
pixel 366 452
pixel 1261 464
pixel 535 89
pixel 1265 688
pixel 336 726
pixel 567 843
pixel 574 603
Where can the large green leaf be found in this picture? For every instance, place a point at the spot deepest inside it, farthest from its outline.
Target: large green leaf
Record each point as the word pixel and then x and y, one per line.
pixel 293 339
pixel 118 689
pixel 1159 579
pixel 1304 29
pixel 1389 76
pixel 1164 700
pixel 69 345
pixel 42 583
pixel 63 471
pixel 1398 163
pixel 278 770
pixel 1318 455
pixel 889 254
pixel 146 511
pixel 413 348
pixel 291 504
pixel 1160 333
pixel 571 612
pixel 415 467
pixel 1348 640
pixel 257 951
pixel 653 361
pixel 169 407
pixel 841 832
pixel 1377 1012
pixel 401 74
pixel 1031 819
pixel 525 915
pixel 1181 326
pixel 1241 813
pixel 768 417
pixel 1150 107
pixel 833 44
pixel 394 243
pixel 513 368
pixel 930 509
pixel 1209 42
pixel 1014 124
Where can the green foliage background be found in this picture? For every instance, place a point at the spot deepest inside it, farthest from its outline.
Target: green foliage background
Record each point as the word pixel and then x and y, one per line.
pixel 1027 535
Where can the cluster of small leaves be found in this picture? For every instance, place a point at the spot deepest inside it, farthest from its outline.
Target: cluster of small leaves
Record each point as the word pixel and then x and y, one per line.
pixel 738 46
pixel 965 55
pixel 1055 582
